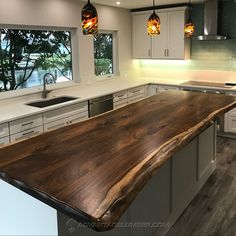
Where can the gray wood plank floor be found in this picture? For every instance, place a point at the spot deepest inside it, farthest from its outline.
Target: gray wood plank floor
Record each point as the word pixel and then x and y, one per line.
pixel 213 211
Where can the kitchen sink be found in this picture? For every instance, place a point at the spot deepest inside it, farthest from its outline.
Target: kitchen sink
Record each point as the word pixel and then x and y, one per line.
pixel 51 102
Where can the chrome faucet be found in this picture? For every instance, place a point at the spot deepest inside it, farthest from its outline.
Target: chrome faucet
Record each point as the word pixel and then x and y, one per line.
pixel 45 91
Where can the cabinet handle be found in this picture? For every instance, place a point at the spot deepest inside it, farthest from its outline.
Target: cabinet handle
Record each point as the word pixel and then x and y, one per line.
pixel 149 53
pixel 166 52
pixel 30 123
pixel 120 96
pixel 27 133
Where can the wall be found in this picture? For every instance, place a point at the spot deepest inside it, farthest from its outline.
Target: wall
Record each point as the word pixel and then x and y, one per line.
pixel 67 13
pixel 210 60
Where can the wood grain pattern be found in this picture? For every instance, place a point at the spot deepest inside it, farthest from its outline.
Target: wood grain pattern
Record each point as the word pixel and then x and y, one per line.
pixel 93 170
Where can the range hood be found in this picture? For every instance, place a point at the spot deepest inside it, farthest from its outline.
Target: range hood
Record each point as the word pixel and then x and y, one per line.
pixel 211 22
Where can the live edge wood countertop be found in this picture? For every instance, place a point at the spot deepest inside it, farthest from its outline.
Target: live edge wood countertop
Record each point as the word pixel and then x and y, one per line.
pixel 93 170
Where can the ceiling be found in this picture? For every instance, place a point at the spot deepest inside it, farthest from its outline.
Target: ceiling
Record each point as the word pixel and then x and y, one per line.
pixel 132 4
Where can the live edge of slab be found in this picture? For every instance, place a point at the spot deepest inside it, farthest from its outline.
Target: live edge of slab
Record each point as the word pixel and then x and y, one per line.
pixel 93 170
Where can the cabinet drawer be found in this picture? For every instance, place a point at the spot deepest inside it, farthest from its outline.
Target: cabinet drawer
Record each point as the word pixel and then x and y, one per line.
pixel 64 112
pixel 167 88
pixel 66 121
pixel 119 104
pixel 4 141
pixel 4 130
pixel 78 118
pixel 26 134
pixel 136 98
pixel 120 96
pixel 136 91
pixel 24 124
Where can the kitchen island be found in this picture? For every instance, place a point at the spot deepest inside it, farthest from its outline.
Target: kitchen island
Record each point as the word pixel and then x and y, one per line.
pixel 107 167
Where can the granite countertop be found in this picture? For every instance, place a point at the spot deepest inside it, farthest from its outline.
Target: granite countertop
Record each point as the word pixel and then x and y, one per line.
pixel 92 175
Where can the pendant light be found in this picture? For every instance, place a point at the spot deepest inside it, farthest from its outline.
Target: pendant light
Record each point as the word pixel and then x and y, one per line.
pixel 189 27
pixel 89 19
pixel 154 23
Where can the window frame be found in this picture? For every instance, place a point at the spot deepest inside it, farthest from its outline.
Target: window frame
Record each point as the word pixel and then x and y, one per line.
pixel 114 56
pixel 37 89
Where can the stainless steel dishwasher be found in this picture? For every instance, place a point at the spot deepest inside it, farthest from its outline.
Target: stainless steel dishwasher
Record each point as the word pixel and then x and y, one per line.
pixel 100 105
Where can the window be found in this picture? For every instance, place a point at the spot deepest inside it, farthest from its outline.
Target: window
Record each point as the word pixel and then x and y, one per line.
pixel 104 53
pixel 27 55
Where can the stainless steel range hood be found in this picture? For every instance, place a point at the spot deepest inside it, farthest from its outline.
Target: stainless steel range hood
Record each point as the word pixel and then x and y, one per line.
pixel 211 22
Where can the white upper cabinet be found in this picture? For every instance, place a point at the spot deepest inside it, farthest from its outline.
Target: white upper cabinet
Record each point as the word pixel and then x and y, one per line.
pixel 160 43
pixel 178 47
pixel 141 40
pixel 170 44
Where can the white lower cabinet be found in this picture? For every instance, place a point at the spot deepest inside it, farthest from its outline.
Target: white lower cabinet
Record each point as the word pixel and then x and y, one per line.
pixel 120 104
pixel 230 119
pixel 26 123
pixel 66 121
pixel 123 98
pixel 184 177
pixel 120 99
pixel 4 141
pixel 4 130
pixel 153 90
pixel 68 115
pixel 26 134
pixel 22 214
pixel 64 112
pixel 136 94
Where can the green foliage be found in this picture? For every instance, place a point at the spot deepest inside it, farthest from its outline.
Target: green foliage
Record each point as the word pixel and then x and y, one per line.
pixel 103 53
pixel 28 50
pixel 103 66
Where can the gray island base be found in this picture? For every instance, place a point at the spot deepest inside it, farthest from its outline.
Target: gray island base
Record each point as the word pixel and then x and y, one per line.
pixel 165 196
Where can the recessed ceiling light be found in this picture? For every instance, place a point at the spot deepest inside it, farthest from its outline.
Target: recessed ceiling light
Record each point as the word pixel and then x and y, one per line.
pixel 117 3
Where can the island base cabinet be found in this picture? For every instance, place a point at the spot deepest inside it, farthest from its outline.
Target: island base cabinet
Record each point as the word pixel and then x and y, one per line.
pixel 184 177
pixel 22 214
pixel 166 195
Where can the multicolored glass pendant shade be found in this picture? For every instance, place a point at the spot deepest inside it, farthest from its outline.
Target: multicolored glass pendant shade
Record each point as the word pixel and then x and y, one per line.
pixel 89 19
pixel 154 24
pixel 189 29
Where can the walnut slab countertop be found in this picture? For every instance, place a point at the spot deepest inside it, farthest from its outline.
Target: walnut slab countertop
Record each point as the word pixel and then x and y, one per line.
pixel 93 170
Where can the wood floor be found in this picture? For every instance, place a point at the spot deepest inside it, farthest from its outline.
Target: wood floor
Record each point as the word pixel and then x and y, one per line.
pixel 213 211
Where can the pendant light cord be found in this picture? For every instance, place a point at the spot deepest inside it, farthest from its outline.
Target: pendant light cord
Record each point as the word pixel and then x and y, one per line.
pixel 154 5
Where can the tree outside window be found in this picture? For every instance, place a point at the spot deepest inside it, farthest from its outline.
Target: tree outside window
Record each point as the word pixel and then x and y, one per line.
pixel 103 54
pixel 26 55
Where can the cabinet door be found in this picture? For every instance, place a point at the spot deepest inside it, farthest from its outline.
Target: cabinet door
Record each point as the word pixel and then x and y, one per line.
pixel 152 204
pixel 154 89
pixel 184 177
pixel 4 141
pixel 176 41
pixel 160 42
pixel 141 40
pixel 206 151
pixel 4 130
